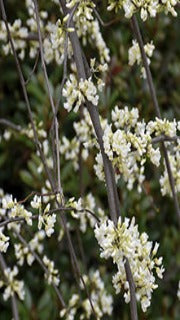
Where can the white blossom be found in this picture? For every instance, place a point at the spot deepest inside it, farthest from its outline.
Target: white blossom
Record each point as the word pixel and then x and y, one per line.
pixel 51 275
pixel 12 285
pixel 124 242
pixel 4 242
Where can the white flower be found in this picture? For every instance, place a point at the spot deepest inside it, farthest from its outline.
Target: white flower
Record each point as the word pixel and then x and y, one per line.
pixel 13 285
pixel 52 274
pixel 124 241
pixel 4 242
pixel 36 202
pixel 134 53
pixel 48 220
pixel 8 202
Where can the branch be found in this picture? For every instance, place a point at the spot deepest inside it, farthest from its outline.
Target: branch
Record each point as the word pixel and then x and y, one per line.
pixel 56 125
pixel 8 123
pixel 133 304
pixel 136 30
pixel 18 219
pixel 114 206
pixel 163 138
pixel 105 24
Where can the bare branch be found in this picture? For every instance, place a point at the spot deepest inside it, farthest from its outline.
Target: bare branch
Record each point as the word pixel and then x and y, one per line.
pixel 163 138
pixel 8 123
pixel 133 304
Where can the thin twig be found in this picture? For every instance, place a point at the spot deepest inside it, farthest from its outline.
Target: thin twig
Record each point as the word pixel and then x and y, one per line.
pixel 33 69
pixel 8 123
pixel 18 219
pixel 38 259
pixel 76 210
pixel 56 125
pixel 105 24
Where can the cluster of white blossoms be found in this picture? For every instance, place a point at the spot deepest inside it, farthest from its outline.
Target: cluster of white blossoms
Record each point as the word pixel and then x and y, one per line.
pixel 45 218
pixel 128 143
pixel 77 93
pixel 23 252
pixel 85 138
pixel 11 284
pixel 123 242
pixel 51 275
pixel 101 300
pixel 18 33
pixel 134 55
pixel 4 242
pixel 16 209
pixel 147 8
pixel 85 209
pixel 25 38
pixel 128 146
pixel 85 8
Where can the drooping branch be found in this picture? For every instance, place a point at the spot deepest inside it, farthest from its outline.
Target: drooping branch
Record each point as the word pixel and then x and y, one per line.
pixel 83 72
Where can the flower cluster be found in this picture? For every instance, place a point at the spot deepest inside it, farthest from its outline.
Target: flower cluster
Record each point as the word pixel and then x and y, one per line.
pixel 4 242
pixel 45 218
pixel 54 33
pixel 101 300
pixel 77 93
pixel 146 7
pixel 84 137
pixel 128 143
pixel 22 252
pixel 12 285
pixel 52 274
pixel 16 209
pixel 135 55
pixel 19 35
pixel 84 211
pixel 125 242
pixel 129 146
pixel 85 8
